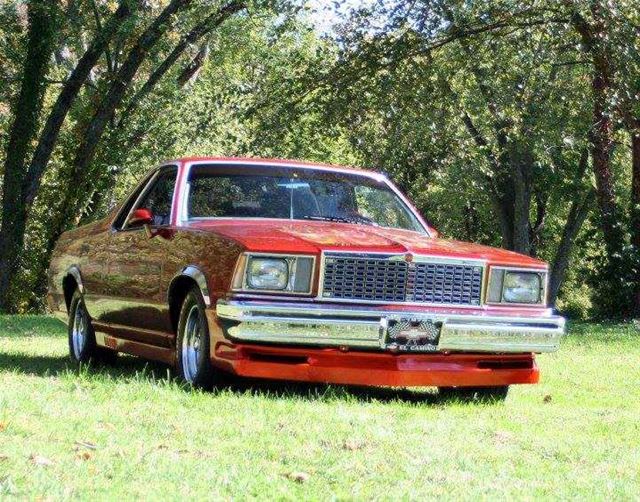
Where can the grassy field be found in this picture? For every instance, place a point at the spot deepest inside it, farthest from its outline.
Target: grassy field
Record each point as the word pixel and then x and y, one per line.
pixel 131 432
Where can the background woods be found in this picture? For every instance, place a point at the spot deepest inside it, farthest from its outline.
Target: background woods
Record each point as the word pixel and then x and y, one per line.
pixel 512 123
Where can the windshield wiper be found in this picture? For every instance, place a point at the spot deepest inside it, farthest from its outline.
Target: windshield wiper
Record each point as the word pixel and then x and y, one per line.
pixel 342 219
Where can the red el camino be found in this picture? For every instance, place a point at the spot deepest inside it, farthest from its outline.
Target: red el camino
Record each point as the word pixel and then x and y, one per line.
pixel 295 271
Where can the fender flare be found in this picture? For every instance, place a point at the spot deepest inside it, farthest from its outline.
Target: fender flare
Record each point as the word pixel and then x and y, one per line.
pixel 192 272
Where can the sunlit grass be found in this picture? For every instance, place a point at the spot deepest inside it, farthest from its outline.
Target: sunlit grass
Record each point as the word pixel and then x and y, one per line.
pixel 131 431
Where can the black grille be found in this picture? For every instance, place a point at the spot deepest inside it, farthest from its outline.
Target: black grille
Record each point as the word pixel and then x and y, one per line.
pixel 381 279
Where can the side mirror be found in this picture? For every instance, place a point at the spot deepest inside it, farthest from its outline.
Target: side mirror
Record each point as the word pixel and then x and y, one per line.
pixel 142 216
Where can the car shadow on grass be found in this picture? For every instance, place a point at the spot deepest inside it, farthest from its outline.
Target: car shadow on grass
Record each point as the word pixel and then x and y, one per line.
pixel 328 392
pixel 52 366
pixel 129 368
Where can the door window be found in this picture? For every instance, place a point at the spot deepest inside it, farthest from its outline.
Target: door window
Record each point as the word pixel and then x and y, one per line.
pixel 158 199
pixel 123 214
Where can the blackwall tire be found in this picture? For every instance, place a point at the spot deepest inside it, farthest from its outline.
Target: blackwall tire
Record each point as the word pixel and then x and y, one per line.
pixel 193 344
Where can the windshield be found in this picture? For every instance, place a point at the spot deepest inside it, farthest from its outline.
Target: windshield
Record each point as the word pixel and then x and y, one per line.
pixel 294 193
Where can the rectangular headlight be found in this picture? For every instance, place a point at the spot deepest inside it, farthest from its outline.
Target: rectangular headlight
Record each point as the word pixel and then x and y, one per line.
pixel 522 287
pixel 516 286
pixel 267 273
pixel 274 273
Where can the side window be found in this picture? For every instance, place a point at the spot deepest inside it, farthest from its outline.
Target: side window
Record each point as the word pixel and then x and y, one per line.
pixel 159 197
pixel 126 209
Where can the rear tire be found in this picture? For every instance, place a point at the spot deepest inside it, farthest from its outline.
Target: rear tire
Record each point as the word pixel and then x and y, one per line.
pixel 193 343
pixel 493 394
pixel 83 348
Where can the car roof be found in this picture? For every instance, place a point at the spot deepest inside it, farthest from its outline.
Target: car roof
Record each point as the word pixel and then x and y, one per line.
pixel 266 162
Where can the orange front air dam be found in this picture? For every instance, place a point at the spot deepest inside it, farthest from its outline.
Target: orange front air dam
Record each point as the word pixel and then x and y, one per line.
pixel 369 368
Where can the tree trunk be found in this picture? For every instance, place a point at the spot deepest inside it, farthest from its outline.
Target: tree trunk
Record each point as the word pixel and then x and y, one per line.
pixel 601 147
pixel 535 233
pixel 635 216
pixel 521 161
pixel 66 98
pixel 577 214
pixel 595 41
pixel 601 132
pixel 499 199
pixel 470 215
pixel 26 112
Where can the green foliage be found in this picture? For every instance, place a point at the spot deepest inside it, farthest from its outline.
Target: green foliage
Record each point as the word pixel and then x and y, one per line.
pixel 452 99
pixel 495 99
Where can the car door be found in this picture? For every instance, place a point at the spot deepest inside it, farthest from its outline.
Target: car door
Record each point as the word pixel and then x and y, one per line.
pixel 136 258
pixel 95 251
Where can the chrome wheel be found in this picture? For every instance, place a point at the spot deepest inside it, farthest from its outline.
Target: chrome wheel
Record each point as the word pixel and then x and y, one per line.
pixel 80 330
pixel 191 343
pixel 81 337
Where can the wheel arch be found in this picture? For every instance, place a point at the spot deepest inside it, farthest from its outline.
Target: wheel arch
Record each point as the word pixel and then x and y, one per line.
pixel 180 285
pixel 72 280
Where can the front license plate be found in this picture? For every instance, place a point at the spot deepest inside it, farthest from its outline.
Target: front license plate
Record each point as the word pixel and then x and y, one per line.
pixel 411 335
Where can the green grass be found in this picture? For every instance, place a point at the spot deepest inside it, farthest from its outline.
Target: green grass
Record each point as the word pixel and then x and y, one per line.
pixel 130 431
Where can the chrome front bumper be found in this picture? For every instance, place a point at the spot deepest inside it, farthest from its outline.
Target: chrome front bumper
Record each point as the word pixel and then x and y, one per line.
pixel 358 327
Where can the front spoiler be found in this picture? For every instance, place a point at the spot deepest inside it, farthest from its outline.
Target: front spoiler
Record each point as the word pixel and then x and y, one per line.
pixel 337 366
pixel 366 328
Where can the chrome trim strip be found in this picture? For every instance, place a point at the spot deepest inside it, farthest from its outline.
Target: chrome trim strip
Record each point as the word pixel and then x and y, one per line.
pixel 482 337
pixel 230 307
pixel 324 325
pixel 329 332
pixel 198 276
pixel 418 258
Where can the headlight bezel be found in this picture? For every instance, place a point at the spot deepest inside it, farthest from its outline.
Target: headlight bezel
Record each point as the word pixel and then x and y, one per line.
pixel 296 264
pixel 496 285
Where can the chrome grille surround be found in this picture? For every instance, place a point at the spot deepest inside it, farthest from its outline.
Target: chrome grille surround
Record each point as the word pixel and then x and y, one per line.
pixel 401 279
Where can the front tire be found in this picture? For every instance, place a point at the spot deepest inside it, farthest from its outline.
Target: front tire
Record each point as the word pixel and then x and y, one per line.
pixel 493 394
pixel 83 348
pixel 192 345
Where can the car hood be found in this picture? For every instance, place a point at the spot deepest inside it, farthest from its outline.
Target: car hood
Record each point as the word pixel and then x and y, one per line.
pixel 280 236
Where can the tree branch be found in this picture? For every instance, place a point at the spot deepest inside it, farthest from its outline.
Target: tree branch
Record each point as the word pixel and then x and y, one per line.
pixel 65 100
pixel 98 20
pixel 201 29
pixel 113 97
pixel 192 70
